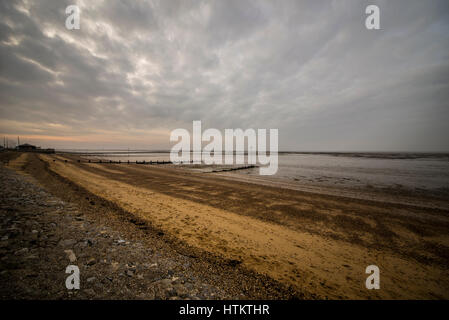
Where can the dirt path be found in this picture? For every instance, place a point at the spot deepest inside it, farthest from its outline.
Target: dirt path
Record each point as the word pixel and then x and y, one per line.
pixel 312 248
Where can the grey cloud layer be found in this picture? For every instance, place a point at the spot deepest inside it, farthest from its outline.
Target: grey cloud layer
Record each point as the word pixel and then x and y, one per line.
pixel 309 68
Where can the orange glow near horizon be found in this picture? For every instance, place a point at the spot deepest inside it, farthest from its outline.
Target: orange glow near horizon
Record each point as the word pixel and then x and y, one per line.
pixel 153 139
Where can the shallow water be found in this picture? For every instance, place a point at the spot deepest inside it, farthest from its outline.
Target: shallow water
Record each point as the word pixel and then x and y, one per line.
pixel 425 173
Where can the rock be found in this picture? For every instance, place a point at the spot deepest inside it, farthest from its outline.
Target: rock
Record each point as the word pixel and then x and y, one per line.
pixel 31 274
pixel 147 265
pixel 70 255
pixel 169 292
pixel 89 292
pixel 165 282
pixel 21 251
pixel 129 273
pixel 91 279
pixel 91 261
pixel 67 242
pixel 81 244
pixel 180 290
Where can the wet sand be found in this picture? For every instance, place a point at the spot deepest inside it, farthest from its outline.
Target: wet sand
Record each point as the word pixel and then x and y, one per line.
pixel 317 244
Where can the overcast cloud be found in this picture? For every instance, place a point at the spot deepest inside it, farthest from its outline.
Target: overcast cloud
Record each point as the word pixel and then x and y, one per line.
pixel 138 69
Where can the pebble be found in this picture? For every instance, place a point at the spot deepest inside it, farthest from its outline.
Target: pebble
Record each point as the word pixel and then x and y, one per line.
pixel 129 273
pixel 21 251
pixel 70 255
pixel 67 242
pixel 89 292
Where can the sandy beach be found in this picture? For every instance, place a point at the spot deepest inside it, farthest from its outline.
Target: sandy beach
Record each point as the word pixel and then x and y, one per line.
pixel 310 245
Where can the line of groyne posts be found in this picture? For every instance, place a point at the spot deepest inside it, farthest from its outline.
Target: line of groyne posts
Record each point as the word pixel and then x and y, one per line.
pixel 152 162
pixel 122 162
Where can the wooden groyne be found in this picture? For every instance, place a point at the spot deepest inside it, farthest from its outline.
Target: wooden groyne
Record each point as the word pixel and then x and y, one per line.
pixel 157 162
pixel 114 162
pixel 234 169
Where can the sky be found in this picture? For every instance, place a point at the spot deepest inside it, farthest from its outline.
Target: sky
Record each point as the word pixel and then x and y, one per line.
pixel 136 70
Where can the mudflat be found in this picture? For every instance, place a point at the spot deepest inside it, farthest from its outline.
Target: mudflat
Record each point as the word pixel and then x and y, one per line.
pixel 316 245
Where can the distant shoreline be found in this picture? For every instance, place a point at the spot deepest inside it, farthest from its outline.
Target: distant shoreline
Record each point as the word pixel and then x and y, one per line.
pixel 368 154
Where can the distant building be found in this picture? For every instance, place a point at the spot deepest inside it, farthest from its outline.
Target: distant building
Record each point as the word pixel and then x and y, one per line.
pixel 26 147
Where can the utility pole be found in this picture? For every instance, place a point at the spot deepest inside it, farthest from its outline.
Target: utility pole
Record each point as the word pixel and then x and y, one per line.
pixel 18 141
